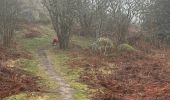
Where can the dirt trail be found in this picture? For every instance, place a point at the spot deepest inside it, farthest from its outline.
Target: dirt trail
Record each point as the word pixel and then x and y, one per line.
pixel 64 89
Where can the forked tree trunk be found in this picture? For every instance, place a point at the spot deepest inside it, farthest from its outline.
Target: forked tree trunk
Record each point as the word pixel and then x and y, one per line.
pixel 61 13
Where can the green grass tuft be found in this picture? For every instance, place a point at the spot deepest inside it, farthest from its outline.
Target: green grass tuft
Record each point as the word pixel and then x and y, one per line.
pixel 125 48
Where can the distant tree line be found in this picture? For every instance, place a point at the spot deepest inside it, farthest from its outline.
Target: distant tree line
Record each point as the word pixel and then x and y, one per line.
pixel 157 20
pixel 96 18
pixel 8 19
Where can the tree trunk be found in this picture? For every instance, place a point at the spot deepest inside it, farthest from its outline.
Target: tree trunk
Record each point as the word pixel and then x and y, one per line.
pixel 64 40
pixel 64 43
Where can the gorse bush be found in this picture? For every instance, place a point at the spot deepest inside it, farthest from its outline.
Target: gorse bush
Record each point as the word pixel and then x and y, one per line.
pixel 125 48
pixel 103 46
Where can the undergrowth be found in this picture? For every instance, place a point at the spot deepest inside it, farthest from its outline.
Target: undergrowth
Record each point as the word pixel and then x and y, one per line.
pixel 33 66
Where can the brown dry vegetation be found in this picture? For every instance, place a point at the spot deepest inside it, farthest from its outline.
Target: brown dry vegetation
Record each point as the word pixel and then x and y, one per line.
pixel 30 30
pixel 134 76
pixel 7 54
pixel 14 80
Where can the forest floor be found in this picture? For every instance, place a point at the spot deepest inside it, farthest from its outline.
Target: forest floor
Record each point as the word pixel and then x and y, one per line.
pixel 133 76
pixel 80 74
pixel 60 82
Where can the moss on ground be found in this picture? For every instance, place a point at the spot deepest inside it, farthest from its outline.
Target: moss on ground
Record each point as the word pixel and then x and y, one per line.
pixel 122 48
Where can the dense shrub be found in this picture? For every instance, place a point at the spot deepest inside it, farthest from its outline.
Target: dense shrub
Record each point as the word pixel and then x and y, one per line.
pixel 125 48
pixel 103 46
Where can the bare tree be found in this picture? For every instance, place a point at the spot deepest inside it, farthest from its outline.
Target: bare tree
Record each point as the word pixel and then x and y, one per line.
pixel 85 14
pixel 108 16
pixel 156 21
pixel 123 13
pixel 8 18
pixel 33 11
pixel 91 15
pixel 101 16
pixel 61 13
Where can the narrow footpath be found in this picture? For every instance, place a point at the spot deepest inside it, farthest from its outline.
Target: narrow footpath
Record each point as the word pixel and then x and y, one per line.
pixel 66 92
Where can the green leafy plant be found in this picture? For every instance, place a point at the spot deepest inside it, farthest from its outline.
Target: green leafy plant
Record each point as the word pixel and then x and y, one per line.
pixel 125 48
pixel 103 46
